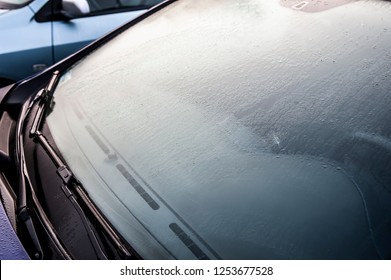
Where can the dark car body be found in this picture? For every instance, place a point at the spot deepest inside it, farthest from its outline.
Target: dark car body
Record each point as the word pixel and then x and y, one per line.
pixel 209 130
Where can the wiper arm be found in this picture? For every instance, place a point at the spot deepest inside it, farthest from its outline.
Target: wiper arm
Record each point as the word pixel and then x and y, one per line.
pixel 44 98
pixel 23 211
pixel 68 179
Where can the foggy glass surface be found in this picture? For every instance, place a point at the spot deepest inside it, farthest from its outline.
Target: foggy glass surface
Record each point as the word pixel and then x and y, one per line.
pixel 255 130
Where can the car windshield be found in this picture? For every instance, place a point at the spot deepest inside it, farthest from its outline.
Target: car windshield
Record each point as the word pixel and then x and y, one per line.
pixel 13 4
pixel 238 130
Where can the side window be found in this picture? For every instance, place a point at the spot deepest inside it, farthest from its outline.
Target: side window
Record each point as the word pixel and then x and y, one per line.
pixel 107 5
pixel 148 3
pixel 75 8
pixel 104 5
pixel 80 8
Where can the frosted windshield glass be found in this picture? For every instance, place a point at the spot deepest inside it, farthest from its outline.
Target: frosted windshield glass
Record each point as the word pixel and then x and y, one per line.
pixel 253 129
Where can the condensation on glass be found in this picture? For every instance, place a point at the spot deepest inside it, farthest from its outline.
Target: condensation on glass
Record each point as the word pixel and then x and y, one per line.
pixel 238 129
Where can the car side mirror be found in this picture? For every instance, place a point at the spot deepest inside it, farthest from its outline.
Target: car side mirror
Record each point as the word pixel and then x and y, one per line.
pixel 74 8
pixel 61 16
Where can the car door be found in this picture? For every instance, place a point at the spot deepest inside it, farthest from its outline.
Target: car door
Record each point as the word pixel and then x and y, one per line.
pixel 25 44
pixel 89 20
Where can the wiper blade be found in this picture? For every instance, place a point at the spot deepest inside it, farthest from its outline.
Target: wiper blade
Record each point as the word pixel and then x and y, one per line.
pixel 24 215
pixel 69 180
pixel 23 211
pixel 44 98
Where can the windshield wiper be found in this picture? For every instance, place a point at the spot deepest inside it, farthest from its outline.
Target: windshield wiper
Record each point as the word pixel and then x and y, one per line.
pixel 69 181
pixel 23 212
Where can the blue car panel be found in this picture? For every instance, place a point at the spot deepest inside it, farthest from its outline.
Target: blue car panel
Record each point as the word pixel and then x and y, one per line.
pixel 29 45
pixel 24 43
pixel 70 36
